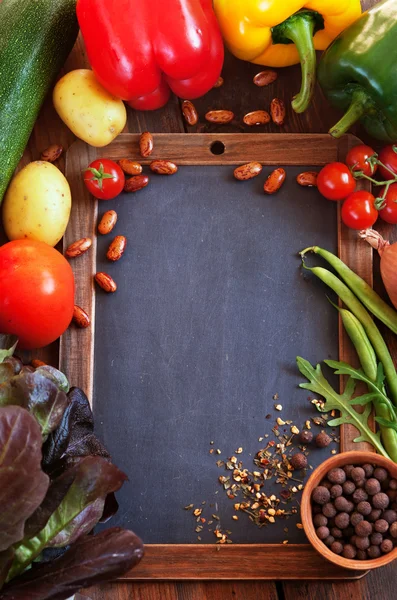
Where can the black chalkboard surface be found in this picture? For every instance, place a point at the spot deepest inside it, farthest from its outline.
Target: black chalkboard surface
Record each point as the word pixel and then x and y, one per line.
pixel 210 313
pixel 201 337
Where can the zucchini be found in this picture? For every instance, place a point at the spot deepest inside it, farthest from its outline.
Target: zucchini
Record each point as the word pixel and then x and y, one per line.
pixel 36 37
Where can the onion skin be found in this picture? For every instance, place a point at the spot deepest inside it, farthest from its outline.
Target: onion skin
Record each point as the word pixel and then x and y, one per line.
pixel 388 261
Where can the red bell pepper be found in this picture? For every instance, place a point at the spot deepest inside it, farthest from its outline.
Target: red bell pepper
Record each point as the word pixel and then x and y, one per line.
pixel 140 50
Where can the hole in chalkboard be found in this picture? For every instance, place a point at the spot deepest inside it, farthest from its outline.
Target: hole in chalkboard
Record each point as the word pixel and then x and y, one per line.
pixel 217 148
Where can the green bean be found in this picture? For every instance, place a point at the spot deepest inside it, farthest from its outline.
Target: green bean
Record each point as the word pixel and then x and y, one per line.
pixel 366 321
pixel 367 357
pixel 359 338
pixel 362 290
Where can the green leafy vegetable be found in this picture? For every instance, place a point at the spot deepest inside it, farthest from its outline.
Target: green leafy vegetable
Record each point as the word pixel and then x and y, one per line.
pixel 8 343
pixel 91 560
pixel 23 485
pixel 94 478
pixel 341 402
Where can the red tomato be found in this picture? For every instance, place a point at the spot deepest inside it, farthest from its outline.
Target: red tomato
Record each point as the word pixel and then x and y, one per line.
pixel 389 212
pixel 388 156
pixel 104 179
pixel 357 158
pixel 37 292
pixel 358 210
pixel 335 182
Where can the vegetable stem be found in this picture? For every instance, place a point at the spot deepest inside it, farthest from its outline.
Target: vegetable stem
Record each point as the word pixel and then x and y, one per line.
pixel 358 107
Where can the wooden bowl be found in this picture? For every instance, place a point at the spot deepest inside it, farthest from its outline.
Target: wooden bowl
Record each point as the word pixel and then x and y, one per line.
pixel 340 460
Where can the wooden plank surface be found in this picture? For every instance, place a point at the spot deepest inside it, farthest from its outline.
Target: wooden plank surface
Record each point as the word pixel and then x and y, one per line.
pixel 237 94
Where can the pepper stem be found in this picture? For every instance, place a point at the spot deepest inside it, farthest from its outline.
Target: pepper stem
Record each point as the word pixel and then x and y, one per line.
pixel 300 30
pixel 359 105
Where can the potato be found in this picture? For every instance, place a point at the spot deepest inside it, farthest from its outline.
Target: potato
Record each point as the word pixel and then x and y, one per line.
pixel 37 204
pixel 88 109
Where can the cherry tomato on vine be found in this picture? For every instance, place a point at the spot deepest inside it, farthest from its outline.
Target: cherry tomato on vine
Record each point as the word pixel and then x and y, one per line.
pixel 37 292
pixel 389 212
pixel 359 211
pixel 104 179
pixel 357 159
pixel 335 182
pixel 388 156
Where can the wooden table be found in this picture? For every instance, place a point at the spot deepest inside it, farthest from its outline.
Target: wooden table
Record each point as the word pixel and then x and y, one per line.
pixel 240 95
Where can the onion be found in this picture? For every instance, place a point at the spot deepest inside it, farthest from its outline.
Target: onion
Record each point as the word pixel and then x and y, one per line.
pixel 388 260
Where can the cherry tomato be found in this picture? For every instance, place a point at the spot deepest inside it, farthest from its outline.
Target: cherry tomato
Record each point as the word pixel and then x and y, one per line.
pixel 389 212
pixel 357 157
pixel 358 210
pixel 37 292
pixel 104 179
pixel 388 156
pixel 335 182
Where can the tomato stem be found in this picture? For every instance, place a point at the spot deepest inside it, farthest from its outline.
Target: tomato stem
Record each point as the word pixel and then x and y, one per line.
pixel 99 175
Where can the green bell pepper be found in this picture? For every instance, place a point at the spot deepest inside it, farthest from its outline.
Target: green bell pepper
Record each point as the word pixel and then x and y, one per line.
pixel 358 73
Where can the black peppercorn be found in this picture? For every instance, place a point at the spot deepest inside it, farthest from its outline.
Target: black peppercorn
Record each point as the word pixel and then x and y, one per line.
pixel 321 495
pixel 322 440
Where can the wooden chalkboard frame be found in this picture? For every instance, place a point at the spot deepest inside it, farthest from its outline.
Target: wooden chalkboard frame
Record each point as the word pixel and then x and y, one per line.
pixel 207 561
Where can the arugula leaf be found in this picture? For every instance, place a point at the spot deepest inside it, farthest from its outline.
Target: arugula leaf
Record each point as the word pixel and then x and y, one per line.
pixel 23 485
pixel 341 402
pixel 377 394
pixel 8 343
pixel 91 560
pixel 94 478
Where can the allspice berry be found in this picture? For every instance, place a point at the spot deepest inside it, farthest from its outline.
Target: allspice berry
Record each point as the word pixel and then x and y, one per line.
pixel 362 543
pixel 337 476
pixel 393 530
pixel 337 547
pixel 320 520
pixel 364 508
pixel 381 526
pixel 368 469
pixel 348 488
pixel 380 474
pixel 349 551
pixel 322 440
pixel 336 491
pixel 298 461
pixel 321 495
pixel 390 516
pixel 372 486
pixel 386 546
pixel 322 532
pixel 305 437
pixel 380 500
pixel 376 539
pixel 363 529
pixel 357 474
pixel 356 518
pixel 374 552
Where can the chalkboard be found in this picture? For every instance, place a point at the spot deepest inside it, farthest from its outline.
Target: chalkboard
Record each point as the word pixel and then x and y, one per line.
pixel 198 344
pixel 210 314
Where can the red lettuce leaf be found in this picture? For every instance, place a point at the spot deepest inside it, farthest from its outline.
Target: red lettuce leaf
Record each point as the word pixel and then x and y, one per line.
pixel 39 394
pixel 23 485
pixel 74 436
pixel 94 478
pixel 6 558
pixel 92 559
pixel 83 524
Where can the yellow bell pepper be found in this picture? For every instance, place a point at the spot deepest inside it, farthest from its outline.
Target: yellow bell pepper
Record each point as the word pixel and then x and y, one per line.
pixel 280 33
